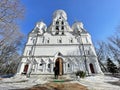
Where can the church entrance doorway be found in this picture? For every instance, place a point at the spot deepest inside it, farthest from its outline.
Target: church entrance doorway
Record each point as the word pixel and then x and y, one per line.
pixel 59 65
pixel 92 68
pixel 25 69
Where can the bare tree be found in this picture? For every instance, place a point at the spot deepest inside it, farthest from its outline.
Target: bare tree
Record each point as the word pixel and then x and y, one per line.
pixel 10 37
pixel 101 51
pixel 114 46
pixel 10 12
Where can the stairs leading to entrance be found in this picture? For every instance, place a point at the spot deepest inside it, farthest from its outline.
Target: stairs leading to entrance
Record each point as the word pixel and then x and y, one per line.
pixel 51 78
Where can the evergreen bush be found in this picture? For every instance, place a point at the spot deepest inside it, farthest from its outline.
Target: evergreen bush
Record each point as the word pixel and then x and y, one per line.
pixel 81 74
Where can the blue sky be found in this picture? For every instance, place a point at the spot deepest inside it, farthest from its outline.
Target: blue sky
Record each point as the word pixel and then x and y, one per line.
pixel 100 17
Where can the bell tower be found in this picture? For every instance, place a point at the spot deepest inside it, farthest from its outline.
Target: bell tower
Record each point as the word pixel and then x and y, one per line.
pixel 59 23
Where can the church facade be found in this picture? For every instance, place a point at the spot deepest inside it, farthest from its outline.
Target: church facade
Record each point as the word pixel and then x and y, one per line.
pixel 70 47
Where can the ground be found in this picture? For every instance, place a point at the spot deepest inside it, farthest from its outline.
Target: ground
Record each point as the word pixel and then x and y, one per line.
pixel 59 86
pixel 66 82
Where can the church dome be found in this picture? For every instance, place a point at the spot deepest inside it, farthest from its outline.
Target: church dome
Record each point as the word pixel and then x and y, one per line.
pixel 40 27
pixel 41 24
pixel 60 14
pixel 77 27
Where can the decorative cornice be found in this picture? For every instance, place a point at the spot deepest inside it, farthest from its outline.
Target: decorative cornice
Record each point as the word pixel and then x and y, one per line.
pixel 59 45
pixel 62 56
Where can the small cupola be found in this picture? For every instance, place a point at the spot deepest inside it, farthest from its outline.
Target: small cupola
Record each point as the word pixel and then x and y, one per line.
pixel 40 28
pixel 77 27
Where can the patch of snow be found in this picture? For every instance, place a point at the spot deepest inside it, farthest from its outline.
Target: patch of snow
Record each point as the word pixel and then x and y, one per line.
pixel 98 82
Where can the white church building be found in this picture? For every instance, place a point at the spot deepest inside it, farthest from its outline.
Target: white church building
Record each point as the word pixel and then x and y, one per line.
pixel 70 48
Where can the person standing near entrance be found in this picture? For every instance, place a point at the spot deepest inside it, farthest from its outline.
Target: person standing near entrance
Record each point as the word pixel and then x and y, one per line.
pixel 55 72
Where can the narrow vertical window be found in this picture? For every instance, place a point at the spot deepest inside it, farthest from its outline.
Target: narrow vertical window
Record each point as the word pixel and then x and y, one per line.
pixel 57 27
pixel 68 65
pixel 48 65
pixel 62 32
pixel 60 41
pixel 57 22
pixel 48 41
pixel 33 41
pixel 57 30
pixel 29 52
pixel 88 52
pixel 62 23
pixel 71 40
pixel 62 28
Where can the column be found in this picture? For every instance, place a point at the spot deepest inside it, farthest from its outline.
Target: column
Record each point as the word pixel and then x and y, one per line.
pixel 97 67
pixel 20 68
pixel 29 68
pixel 51 68
pixel 73 67
pixel 44 67
pixel 35 68
pixel 88 68
pixel 64 68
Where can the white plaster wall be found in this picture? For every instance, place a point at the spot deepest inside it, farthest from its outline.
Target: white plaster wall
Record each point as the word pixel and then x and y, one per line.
pixel 52 50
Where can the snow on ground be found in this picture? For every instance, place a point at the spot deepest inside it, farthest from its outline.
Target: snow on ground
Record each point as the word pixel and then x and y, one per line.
pixel 98 82
pixel 18 82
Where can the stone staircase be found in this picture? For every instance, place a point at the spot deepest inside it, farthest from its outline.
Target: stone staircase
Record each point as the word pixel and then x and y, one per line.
pixel 50 78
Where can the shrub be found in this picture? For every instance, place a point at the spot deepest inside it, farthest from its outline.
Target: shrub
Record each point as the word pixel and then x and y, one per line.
pixel 81 74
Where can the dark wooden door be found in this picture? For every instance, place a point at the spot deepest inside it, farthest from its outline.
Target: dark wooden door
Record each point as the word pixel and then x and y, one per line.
pixel 92 68
pixel 59 65
pixel 26 68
